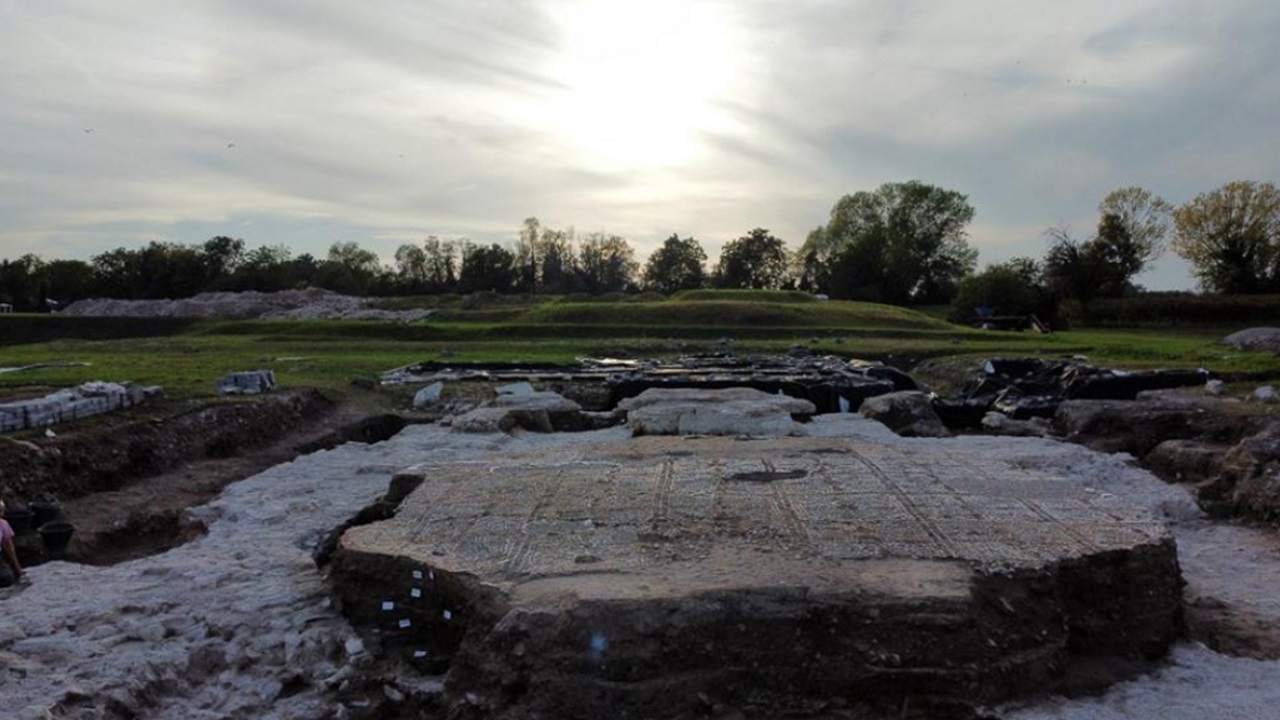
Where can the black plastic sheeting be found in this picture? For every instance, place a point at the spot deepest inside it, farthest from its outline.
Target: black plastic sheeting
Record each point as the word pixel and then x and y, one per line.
pixel 832 384
pixel 1028 387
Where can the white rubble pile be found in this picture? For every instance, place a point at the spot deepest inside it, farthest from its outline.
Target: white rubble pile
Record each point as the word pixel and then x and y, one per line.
pixel 91 398
pixel 1258 338
pixel 308 304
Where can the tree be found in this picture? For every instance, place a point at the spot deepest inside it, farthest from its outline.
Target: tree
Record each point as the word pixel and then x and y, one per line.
pixel 1118 256
pixel 527 255
pixel 440 263
pixel 268 268
pixel 606 263
pixel 159 270
pixel 1144 219
pixel 902 243
pixel 1014 287
pixel 70 280
pixel 1231 236
pixel 680 264
pixel 170 270
pixel 221 256
pixel 491 267
pixel 1101 267
pixel 756 261
pixel 116 273
pixel 349 269
pixel 411 267
pixel 556 271
pixel 23 282
pixel 544 258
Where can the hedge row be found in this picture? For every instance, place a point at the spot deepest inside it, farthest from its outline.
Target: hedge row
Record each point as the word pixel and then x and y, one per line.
pixel 1172 309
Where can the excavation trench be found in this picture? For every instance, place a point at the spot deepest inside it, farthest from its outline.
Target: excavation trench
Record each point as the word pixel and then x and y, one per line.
pixel 126 483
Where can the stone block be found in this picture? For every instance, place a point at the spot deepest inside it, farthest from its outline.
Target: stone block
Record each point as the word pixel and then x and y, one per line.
pixel 729 411
pixel 251 382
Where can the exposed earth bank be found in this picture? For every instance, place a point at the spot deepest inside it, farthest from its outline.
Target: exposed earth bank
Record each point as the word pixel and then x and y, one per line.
pixel 125 479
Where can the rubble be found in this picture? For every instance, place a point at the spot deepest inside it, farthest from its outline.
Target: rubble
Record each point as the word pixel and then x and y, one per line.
pixel 85 400
pixel 536 411
pixel 249 382
pixel 1258 338
pixel 1023 388
pixel 832 384
pixel 308 304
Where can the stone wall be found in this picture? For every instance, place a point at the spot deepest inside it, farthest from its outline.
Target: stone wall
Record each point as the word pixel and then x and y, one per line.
pixel 91 398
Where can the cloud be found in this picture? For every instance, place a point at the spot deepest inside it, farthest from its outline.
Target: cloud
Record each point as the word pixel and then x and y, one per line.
pixel 333 120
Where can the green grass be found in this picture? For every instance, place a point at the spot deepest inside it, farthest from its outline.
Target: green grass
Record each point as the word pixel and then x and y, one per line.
pixel 187 357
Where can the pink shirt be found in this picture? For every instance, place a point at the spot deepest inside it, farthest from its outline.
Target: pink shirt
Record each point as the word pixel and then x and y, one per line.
pixel 6 531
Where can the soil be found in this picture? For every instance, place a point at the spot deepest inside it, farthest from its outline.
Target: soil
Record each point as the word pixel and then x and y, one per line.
pixel 125 481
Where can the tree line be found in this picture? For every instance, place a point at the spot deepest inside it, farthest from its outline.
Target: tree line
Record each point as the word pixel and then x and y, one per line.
pixel 902 243
pixel 1230 236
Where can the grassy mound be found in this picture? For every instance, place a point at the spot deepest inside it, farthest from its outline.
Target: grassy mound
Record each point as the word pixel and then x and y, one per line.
pixel 730 310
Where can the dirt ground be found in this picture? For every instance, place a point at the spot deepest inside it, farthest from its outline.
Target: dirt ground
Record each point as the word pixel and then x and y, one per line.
pixel 124 482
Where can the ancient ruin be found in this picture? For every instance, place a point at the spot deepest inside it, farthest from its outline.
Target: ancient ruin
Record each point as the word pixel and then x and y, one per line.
pixel 531 558
pixel 85 400
pixel 644 576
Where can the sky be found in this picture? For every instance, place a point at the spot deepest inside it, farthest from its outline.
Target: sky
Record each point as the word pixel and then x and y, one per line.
pixel 310 123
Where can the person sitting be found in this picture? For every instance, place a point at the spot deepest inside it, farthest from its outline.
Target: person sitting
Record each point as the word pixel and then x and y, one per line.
pixel 11 569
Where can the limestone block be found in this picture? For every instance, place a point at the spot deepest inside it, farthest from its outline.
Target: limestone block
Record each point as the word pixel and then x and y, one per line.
pixel 909 413
pixel 534 400
pixel 1000 424
pixel 519 389
pixel 428 396
pixel 730 411
pixel 484 420
pixel 251 382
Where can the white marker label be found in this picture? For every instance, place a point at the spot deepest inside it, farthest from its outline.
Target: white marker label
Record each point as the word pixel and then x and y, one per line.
pixel 405 623
pixel 388 606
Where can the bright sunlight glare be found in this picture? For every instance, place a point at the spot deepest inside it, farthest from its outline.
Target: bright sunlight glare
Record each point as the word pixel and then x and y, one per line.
pixel 643 80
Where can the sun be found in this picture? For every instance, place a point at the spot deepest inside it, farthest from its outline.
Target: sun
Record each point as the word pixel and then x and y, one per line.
pixel 642 80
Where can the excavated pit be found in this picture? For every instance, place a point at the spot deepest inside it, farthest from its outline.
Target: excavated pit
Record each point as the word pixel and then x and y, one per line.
pixel 670 576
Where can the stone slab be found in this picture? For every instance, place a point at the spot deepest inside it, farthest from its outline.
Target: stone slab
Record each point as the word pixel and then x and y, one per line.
pixel 728 567
pixel 709 411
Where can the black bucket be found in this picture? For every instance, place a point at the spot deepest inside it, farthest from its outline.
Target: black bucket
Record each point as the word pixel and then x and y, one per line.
pixel 56 535
pixel 45 511
pixel 21 520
